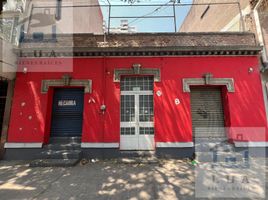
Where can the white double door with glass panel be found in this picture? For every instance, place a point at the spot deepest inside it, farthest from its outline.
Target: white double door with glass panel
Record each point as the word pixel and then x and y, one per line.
pixel 137 115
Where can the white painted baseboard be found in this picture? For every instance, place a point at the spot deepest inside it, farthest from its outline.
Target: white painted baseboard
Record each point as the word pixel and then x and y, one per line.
pixel 14 145
pixel 174 144
pixel 99 145
pixel 251 144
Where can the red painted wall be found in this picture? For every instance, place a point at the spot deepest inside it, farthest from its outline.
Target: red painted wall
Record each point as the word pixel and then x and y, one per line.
pixel 244 108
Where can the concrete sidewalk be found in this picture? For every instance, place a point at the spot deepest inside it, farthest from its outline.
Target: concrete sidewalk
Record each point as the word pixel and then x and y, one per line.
pixel 168 179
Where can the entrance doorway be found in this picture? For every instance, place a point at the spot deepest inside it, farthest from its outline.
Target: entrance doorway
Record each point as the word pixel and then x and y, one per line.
pixel 67 112
pixel 137 114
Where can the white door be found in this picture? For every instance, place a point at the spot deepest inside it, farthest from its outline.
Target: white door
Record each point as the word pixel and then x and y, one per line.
pixel 137 114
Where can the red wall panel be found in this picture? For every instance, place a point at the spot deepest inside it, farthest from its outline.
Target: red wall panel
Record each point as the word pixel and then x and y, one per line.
pixel 244 108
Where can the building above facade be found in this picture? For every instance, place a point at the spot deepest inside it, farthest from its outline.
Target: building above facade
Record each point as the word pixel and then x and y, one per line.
pixel 123 28
pixel 242 16
pixel 62 17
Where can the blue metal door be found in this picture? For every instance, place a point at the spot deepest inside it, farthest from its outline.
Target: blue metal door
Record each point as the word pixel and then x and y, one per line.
pixel 67 113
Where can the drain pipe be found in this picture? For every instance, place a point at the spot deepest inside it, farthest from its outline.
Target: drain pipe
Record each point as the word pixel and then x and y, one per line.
pixel 260 36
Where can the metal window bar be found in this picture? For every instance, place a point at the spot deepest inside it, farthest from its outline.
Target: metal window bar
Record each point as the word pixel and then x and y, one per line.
pixel 134 83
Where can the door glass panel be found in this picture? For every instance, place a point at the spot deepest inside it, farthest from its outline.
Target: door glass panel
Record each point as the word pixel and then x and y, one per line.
pixel 137 83
pixel 146 130
pixel 127 131
pixel 127 108
pixel 146 111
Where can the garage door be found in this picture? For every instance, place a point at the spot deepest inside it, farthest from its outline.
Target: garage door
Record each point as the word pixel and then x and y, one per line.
pixel 207 112
pixel 67 113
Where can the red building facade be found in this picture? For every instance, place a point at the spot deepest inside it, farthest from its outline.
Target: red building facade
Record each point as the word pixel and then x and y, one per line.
pixel 174 64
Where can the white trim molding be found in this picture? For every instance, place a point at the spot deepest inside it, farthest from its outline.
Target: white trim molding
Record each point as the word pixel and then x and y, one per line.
pixel 174 144
pixel 250 144
pixel 137 70
pixel 66 81
pixel 99 145
pixel 15 145
pixel 228 82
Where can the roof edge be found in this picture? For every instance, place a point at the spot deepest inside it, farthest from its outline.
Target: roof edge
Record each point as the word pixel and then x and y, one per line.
pixel 147 51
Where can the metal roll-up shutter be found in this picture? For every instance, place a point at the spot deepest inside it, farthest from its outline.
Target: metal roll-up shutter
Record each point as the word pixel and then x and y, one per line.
pixel 207 112
pixel 67 113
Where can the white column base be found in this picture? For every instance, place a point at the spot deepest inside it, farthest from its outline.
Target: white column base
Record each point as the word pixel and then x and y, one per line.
pixel 251 144
pixel 14 145
pixel 174 144
pixel 99 145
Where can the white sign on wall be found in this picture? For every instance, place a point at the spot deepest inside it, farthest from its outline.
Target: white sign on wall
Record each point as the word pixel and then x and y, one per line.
pixel 177 101
pixel 66 103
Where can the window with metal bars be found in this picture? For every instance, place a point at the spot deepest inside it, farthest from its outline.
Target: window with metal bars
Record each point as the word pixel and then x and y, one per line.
pixel 146 109
pixel 137 83
pixel 127 108
pixel 127 131
pixel 146 130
